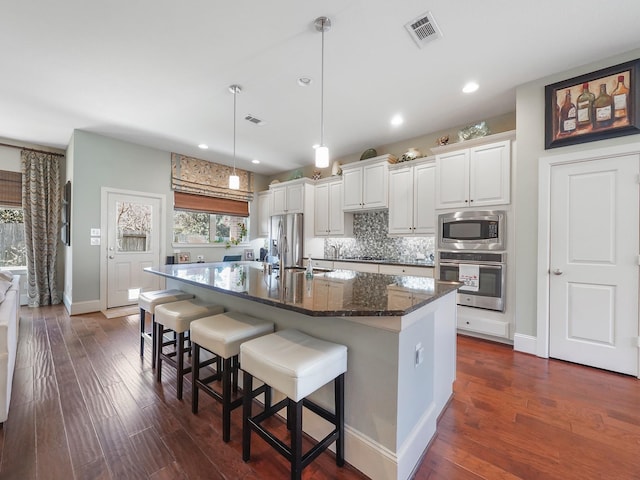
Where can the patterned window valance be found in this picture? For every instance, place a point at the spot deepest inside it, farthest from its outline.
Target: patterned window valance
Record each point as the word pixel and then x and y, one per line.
pixel 192 175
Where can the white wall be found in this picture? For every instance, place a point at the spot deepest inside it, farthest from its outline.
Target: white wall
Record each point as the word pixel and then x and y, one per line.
pixel 530 137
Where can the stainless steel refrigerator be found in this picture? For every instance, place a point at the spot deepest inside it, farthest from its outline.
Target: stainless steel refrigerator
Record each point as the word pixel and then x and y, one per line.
pixel 286 240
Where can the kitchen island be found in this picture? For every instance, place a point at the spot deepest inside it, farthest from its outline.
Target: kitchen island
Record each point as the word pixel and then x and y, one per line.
pixel 401 336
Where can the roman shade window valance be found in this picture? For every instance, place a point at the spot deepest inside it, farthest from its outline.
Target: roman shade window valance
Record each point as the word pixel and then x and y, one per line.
pixel 10 189
pixel 201 203
pixel 201 177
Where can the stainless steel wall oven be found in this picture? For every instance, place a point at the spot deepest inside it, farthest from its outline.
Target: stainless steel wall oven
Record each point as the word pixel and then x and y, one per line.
pixel 489 292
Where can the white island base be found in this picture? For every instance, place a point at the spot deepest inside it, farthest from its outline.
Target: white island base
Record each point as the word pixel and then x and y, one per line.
pixel 399 378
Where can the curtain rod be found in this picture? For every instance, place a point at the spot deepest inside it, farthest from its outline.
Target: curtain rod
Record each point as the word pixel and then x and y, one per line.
pixel 31 149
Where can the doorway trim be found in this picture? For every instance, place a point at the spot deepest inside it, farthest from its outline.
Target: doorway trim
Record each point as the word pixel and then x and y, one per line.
pixel 544 216
pixel 104 198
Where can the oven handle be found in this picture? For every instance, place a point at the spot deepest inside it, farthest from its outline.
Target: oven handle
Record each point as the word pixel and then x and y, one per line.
pixel 497 266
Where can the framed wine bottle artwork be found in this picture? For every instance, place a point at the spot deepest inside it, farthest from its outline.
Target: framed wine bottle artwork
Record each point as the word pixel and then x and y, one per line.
pixel 594 106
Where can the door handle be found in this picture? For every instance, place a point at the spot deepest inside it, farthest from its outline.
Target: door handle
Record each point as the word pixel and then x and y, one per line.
pixel 111 257
pixel 557 271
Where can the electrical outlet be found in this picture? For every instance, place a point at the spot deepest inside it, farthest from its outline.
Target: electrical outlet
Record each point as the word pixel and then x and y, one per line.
pixel 200 258
pixel 419 356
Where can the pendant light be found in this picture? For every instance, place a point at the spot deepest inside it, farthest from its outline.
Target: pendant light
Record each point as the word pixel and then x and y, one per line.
pixel 322 24
pixel 234 179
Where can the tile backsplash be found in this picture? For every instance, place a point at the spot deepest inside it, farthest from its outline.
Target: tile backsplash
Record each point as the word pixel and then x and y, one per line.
pixel 370 238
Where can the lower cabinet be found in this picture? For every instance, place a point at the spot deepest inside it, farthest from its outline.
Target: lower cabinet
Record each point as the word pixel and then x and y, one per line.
pixel 401 298
pixel 474 320
pixel 406 270
pixel 356 267
pixel 330 294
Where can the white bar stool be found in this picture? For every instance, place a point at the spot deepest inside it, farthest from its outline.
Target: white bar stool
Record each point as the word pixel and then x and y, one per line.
pixel 177 317
pixel 295 364
pixel 147 302
pixel 222 335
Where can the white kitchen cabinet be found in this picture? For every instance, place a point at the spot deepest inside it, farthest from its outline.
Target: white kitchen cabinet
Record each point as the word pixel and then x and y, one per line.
pixel 365 184
pixel 264 213
pixel 356 267
pixel 401 298
pixel 412 199
pixel 289 197
pixel 406 270
pixel 331 294
pixel 477 176
pixel 330 219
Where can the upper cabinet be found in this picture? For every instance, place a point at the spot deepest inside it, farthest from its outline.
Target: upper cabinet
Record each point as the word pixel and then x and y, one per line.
pixel 412 198
pixel 365 184
pixel 289 197
pixel 330 219
pixel 264 213
pixel 476 176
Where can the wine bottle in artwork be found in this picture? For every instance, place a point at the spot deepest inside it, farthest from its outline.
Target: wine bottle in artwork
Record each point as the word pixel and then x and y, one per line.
pixel 603 107
pixel 620 99
pixel 584 104
pixel 567 115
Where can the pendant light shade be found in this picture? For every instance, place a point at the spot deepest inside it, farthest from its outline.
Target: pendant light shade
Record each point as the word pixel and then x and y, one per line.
pixel 322 24
pixel 234 179
pixel 322 157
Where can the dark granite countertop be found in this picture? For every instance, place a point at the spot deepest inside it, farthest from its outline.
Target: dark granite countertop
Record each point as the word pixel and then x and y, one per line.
pixel 327 293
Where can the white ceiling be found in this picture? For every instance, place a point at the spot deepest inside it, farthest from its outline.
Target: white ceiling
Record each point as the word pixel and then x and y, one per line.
pixel 156 72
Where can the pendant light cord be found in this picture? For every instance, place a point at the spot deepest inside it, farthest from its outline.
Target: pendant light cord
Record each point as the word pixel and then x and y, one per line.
pixel 322 89
pixel 235 95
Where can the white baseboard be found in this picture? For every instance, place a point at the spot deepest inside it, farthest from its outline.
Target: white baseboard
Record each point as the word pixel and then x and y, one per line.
pixel 525 343
pixel 78 308
pixel 374 460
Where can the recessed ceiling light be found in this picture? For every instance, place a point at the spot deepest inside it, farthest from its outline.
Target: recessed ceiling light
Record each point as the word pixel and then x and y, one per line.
pixel 304 81
pixel 397 120
pixel 203 146
pixel 470 87
pixel 255 160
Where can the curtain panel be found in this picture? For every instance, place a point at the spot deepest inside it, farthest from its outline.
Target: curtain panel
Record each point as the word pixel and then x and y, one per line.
pixel 201 177
pixel 41 201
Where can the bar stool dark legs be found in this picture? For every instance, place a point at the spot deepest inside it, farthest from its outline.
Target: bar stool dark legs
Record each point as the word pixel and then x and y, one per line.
pixel 297 365
pixel 221 335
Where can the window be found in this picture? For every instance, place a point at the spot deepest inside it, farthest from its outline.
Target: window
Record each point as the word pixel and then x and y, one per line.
pixel 13 250
pixel 201 228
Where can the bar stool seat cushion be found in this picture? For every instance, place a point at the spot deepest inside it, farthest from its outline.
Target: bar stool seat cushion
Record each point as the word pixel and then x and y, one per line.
pixel 222 334
pixel 177 316
pixel 292 362
pixel 149 300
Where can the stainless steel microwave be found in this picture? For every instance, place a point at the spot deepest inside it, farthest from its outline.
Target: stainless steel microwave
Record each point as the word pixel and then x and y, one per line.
pixel 472 230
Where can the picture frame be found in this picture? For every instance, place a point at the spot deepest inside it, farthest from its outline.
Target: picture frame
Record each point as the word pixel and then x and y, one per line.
pixel 183 257
pixel 593 106
pixel 248 254
pixel 65 215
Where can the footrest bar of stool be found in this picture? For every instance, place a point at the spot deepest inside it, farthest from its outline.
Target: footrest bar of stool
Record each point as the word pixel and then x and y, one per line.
pixel 318 410
pixel 270 411
pixel 211 378
pixel 281 447
pixel 318 448
pixel 167 357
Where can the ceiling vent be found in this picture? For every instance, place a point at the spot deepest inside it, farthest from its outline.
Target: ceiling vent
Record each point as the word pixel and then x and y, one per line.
pixel 423 29
pixel 254 120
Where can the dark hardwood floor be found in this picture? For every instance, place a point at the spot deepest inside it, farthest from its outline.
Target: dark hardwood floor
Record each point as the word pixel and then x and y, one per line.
pixel 85 406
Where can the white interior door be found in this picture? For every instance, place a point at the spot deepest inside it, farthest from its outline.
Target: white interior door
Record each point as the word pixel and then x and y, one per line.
pixel 593 298
pixel 133 243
